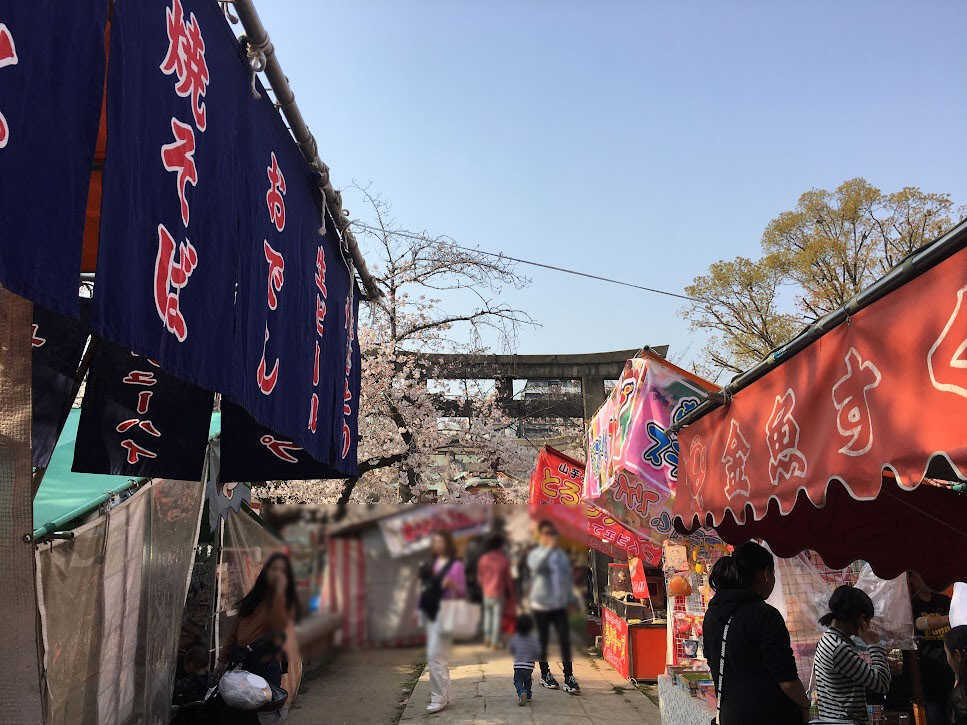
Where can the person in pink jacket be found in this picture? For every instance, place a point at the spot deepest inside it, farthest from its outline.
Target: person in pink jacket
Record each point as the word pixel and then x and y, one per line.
pixel 497 585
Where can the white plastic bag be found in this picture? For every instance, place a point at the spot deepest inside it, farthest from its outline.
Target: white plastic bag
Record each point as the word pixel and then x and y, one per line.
pixel 958 605
pixel 459 618
pixel 893 612
pixel 244 691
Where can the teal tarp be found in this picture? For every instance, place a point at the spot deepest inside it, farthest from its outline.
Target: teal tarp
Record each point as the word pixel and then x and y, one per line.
pixel 64 495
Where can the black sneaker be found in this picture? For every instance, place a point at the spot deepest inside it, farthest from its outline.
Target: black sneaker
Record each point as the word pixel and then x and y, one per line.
pixel 548 681
pixel 571 685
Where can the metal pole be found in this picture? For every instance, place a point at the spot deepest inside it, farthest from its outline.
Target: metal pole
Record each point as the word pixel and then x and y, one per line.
pixel 258 39
pixel 20 693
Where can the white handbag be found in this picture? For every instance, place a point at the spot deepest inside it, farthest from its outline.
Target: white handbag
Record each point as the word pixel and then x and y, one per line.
pixel 244 691
pixel 459 618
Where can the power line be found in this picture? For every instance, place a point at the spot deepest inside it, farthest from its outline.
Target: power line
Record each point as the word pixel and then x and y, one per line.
pixel 501 255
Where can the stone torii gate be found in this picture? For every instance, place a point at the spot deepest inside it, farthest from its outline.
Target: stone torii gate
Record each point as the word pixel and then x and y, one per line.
pixel 592 369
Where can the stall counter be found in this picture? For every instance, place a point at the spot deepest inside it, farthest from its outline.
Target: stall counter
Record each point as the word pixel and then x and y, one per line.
pixel 634 650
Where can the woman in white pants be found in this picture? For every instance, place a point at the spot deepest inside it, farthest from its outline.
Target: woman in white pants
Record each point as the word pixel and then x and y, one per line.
pixel 443 578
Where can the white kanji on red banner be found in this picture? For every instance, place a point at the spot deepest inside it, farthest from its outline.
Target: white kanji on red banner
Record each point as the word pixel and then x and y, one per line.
pixel 947 357
pixel 854 420
pixel 734 458
pixel 782 437
pixel 697 468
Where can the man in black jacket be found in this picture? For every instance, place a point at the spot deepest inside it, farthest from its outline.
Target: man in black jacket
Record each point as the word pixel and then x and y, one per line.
pixel 760 684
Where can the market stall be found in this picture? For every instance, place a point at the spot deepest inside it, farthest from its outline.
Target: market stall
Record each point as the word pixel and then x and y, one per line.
pixel 632 476
pixel 848 441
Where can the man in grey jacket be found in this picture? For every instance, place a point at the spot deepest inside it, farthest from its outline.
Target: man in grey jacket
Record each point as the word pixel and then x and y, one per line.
pixel 552 594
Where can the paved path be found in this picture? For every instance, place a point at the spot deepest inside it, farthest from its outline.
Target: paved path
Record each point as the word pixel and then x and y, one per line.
pixel 482 685
pixel 361 687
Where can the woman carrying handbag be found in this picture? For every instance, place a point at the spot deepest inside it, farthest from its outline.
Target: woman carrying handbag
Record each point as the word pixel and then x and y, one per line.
pixel 444 587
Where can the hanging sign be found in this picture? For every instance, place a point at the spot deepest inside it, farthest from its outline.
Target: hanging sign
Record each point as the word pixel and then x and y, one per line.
pixel 252 453
pixel 412 531
pixel 556 495
pixel 295 343
pixel 139 421
pixel 51 83
pixel 634 464
pixel 852 403
pixel 58 344
pixel 170 223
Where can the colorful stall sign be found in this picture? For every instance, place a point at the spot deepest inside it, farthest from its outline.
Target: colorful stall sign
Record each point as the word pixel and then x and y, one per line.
pixel 633 459
pixel 614 647
pixel 556 495
pixel 411 532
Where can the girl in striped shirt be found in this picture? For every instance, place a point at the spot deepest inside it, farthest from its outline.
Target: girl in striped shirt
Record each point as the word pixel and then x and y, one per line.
pixel 843 677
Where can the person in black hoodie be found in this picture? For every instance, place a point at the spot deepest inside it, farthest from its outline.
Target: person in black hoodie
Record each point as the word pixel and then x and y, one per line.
pixel 760 684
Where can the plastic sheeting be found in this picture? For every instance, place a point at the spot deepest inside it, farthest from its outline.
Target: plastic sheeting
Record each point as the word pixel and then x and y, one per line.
pixel 803 587
pixel 112 602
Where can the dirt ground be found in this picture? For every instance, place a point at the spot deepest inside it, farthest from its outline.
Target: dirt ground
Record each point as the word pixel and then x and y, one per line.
pixel 368 687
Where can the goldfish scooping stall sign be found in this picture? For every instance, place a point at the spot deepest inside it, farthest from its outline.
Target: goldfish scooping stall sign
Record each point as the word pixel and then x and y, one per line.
pixel 632 469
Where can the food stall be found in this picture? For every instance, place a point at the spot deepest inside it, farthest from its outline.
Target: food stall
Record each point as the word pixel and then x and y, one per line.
pixel 848 441
pixel 633 621
pixel 632 475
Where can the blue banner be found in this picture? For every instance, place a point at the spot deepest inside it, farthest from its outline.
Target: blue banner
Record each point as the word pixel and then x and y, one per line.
pixel 293 284
pixel 177 91
pixel 51 87
pixel 139 421
pixel 58 343
pixel 252 453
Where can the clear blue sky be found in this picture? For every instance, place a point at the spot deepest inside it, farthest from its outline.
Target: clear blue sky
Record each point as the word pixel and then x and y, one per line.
pixel 635 140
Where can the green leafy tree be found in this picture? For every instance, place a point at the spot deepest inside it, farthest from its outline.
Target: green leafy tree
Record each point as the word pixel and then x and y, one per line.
pixel 830 246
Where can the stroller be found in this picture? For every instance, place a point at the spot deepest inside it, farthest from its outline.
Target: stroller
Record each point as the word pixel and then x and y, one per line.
pixel 264 657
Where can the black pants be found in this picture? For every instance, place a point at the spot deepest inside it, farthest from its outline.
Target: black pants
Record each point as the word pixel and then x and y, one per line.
pixel 557 618
pixel 522 681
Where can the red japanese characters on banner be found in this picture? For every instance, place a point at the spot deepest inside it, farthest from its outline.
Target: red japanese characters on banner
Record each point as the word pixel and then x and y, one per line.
pixel 275 203
pixel 185 59
pixel 614 645
pixel 8 56
pixel 322 291
pixel 347 411
pixel 556 495
pixel 879 392
pixel 139 426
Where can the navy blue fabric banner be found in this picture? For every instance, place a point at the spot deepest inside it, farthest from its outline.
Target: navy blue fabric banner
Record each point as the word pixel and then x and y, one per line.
pixel 177 99
pixel 139 421
pixel 251 452
pixel 58 345
pixel 347 437
pixel 292 287
pixel 51 86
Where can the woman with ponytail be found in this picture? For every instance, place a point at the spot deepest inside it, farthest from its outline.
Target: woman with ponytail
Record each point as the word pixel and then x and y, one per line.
pixel 842 675
pixel 759 684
